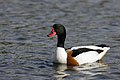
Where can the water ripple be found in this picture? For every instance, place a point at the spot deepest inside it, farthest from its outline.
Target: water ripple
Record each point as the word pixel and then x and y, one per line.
pixel 25 50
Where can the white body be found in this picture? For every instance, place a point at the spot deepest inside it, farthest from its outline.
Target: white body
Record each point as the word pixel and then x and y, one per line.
pixel 86 57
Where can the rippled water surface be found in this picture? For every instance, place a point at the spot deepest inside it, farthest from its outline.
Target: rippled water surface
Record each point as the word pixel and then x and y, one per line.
pixel 25 50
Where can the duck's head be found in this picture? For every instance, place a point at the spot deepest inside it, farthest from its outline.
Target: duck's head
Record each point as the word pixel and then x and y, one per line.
pixel 57 29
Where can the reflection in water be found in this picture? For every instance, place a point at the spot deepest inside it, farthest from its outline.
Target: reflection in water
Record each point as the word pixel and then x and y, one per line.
pixel 91 69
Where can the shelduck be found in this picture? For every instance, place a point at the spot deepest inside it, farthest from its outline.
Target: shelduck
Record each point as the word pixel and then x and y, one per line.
pixel 75 55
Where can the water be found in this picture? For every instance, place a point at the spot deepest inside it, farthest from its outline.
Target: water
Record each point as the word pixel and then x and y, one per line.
pixel 25 51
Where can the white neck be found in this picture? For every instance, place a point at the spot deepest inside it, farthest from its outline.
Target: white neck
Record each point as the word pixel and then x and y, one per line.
pixel 60 56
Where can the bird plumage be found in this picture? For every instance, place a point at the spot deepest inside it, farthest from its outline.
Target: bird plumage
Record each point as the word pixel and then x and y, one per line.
pixel 75 55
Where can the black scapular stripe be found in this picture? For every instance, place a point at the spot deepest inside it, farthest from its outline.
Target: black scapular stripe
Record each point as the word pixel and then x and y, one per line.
pixel 102 45
pixel 81 50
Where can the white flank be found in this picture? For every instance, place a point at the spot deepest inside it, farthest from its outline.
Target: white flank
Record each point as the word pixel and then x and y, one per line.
pixel 87 57
pixel 60 56
pixel 91 56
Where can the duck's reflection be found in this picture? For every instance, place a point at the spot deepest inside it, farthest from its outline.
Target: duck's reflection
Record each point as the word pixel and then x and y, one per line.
pixel 63 71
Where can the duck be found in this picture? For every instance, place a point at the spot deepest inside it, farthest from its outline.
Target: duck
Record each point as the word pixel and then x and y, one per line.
pixel 75 55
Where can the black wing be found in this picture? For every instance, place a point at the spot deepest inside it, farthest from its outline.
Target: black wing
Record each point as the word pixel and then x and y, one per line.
pixel 81 50
pixel 102 45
